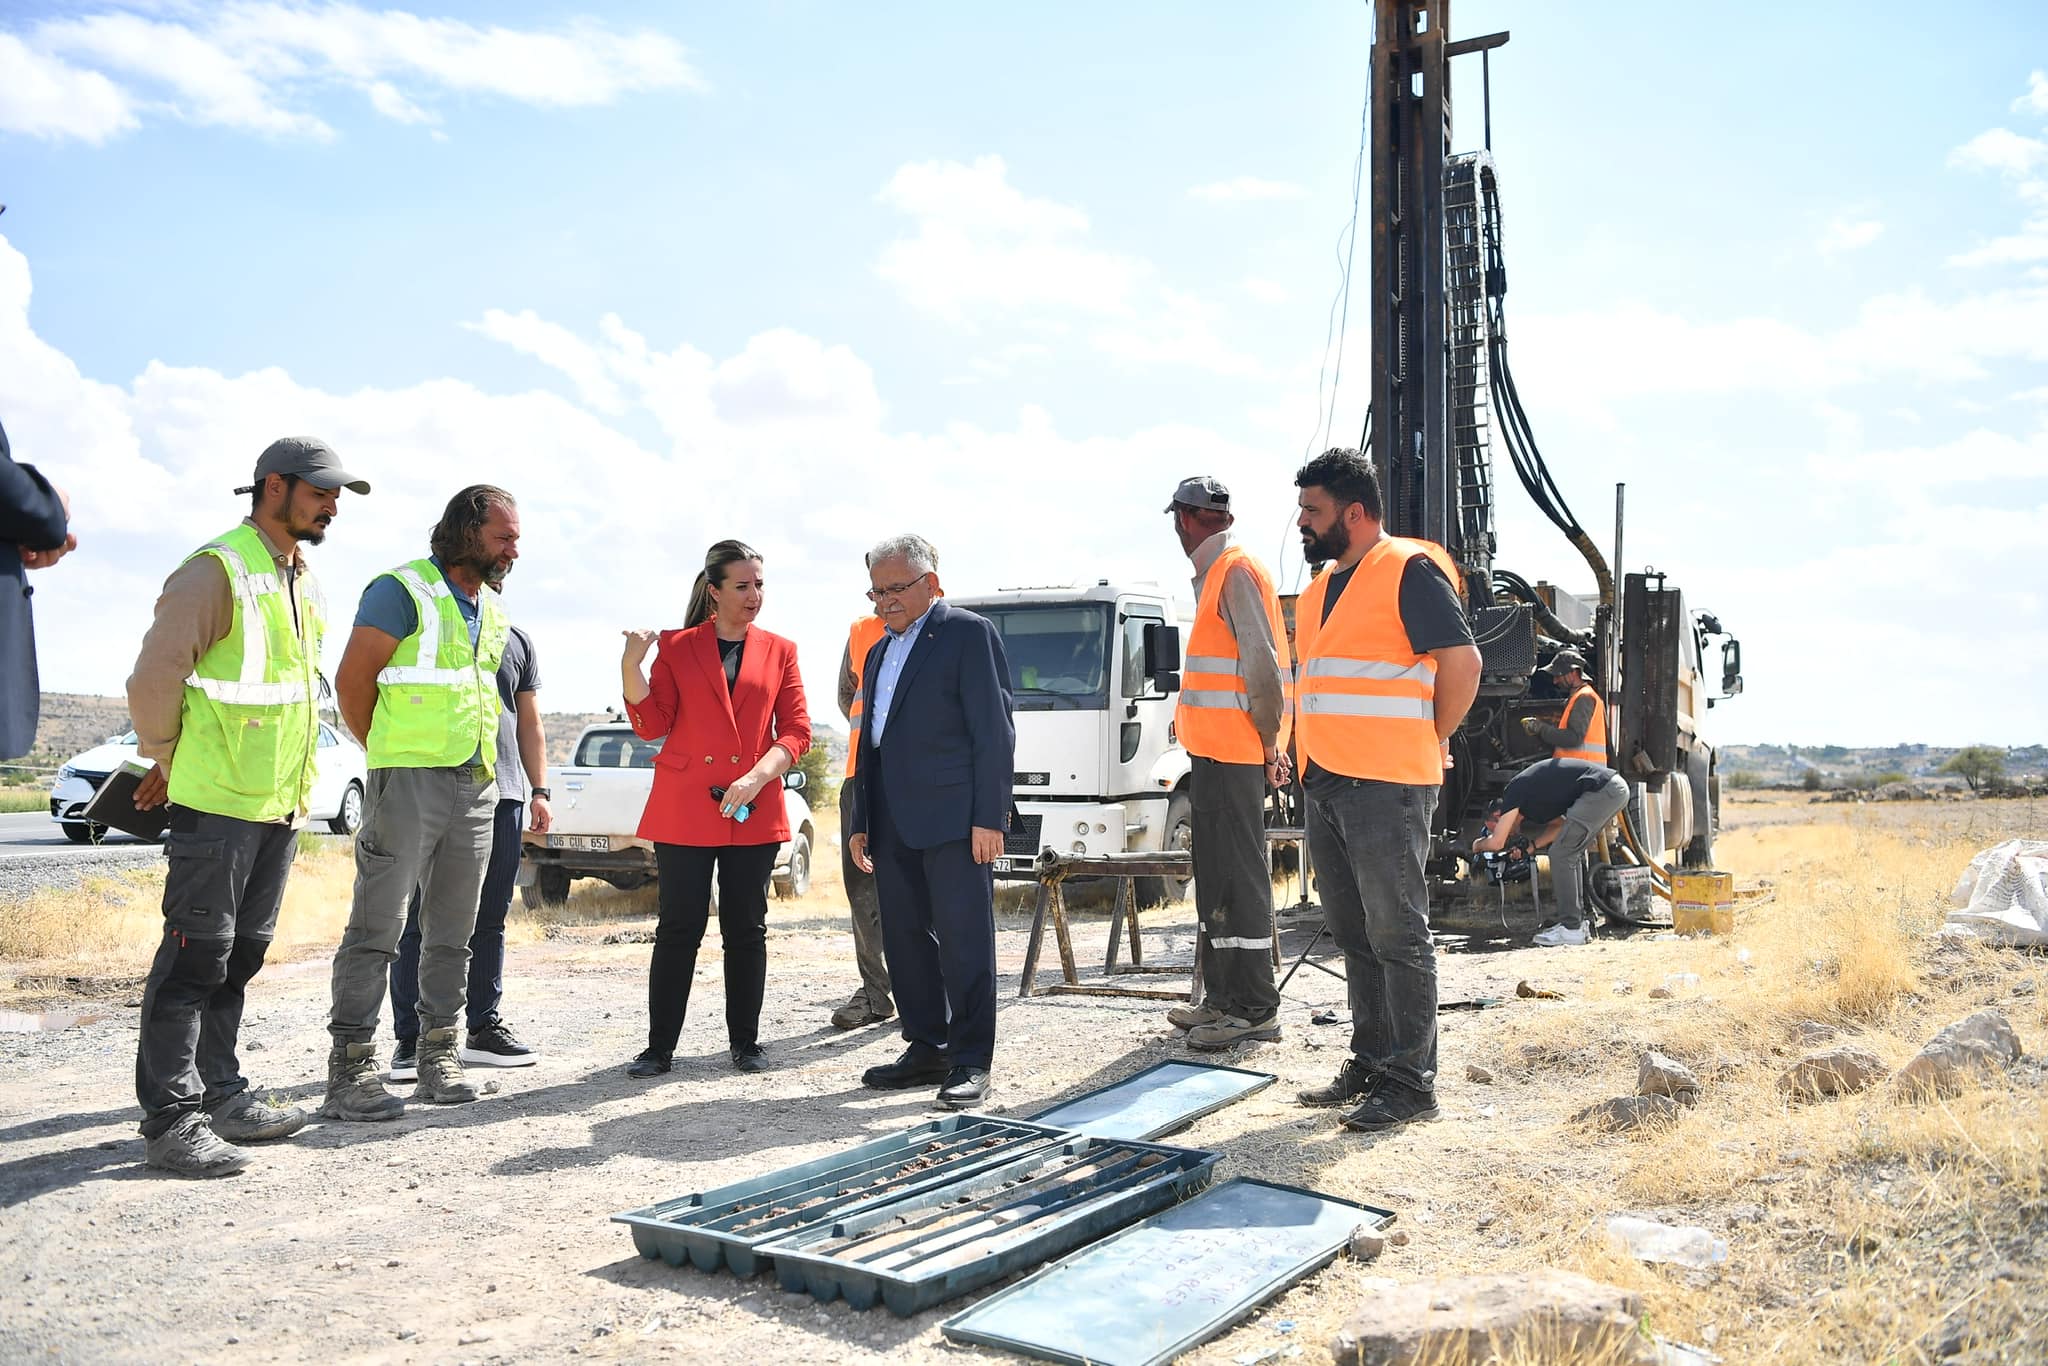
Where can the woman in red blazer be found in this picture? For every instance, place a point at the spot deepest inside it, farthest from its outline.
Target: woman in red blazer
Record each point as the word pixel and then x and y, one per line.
pixel 725 698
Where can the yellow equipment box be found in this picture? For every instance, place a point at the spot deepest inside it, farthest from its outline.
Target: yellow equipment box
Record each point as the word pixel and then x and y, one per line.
pixel 1703 902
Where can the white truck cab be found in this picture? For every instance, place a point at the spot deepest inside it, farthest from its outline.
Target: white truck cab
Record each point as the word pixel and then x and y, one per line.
pixel 1094 670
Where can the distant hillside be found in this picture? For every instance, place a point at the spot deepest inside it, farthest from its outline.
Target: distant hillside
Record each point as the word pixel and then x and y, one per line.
pixel 1775 765
pixel 72 722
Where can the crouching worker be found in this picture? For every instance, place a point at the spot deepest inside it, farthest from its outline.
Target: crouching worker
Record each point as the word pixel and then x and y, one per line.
pixel 224 699
pixel 1566 803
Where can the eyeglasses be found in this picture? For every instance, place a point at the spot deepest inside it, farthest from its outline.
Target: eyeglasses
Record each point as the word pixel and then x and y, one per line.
pixel 896 590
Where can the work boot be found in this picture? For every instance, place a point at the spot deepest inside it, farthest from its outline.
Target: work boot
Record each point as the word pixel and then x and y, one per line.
pixel 191 1148
pixel 1192 1017
pixel 1355 1082
pixel 354 1091
pixel 1390 1106
pixel 441 1081
pixel 246 1117
pixel 859 1010
pixel 1231 1029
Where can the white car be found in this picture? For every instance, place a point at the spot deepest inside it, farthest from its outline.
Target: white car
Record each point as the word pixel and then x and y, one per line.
pixel 340 773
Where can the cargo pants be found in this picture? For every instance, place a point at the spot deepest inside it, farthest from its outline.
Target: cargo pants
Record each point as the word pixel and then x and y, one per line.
pixel 1233 888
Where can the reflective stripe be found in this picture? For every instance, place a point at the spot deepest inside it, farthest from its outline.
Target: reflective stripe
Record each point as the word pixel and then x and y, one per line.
pixel 1260 944
pixel 430 623
pixel 250 694
pixel 1334 667
pixel 418 675
pixel 1220 701
pixel 1353 704
pixel 1211 664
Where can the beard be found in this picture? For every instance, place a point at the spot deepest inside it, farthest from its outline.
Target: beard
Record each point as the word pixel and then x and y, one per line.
pixel 313 534
pixel 491 571
pixel 1330 545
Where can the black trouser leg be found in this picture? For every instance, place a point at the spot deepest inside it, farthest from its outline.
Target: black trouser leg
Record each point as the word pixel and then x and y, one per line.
pixel 743 872
pixel 684 892
pixel 487 941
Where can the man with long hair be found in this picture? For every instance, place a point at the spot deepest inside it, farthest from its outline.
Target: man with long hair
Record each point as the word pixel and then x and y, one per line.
pixel 418 686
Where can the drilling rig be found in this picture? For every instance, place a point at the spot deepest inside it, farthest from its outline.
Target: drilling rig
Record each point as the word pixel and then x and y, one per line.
pixel 1443 402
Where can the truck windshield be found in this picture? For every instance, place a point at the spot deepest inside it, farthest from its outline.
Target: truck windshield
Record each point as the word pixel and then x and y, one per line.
pixel 1059 655
pixel 616 749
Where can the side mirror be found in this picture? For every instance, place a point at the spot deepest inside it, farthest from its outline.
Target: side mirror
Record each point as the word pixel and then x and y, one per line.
pixel 1162 655
pixel 1731 667
pixel 794 780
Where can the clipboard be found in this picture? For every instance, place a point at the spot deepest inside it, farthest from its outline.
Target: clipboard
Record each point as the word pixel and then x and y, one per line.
pixel 114 804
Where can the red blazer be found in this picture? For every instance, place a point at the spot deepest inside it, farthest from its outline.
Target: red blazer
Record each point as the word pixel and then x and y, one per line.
pixel 712 737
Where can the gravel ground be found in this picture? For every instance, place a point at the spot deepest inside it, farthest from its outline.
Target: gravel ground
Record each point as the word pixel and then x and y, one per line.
pixel 23 874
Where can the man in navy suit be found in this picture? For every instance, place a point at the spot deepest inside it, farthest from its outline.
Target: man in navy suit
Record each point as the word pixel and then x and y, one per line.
pixel 931 800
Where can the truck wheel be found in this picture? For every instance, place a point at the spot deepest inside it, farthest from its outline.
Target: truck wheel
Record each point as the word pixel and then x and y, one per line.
pixel 1699 775
pixel 549 888
pixel 797 881
pixel 1180 835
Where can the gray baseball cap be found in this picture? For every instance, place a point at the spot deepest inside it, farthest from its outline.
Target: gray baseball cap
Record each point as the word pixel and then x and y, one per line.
pixel 1200 491
pixel 1564 661
pixel 311 459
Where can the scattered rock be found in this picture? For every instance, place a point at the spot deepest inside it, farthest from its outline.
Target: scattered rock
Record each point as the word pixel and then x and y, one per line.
pixel 1979 1045
pixel 1398 1238
pixel 1744 1214
pixel 1836 1071
pixel 2024 987
pixel 1660 993
pixel 1813 1033
pixel 1487 1220
pixel 1624 988
pixel 343 1263
pixel 1554 1315
pixel 472 1337
pixel 1626 1113
pixel 1474 1072
pixel 408 1334
pixel 1657 1075
pixel 1367 1243
pixel 1533 993
pixel 629 937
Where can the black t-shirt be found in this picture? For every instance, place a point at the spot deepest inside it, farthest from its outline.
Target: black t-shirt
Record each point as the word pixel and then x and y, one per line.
pixel 729 652
pixel 1431 614
pixel 1544 791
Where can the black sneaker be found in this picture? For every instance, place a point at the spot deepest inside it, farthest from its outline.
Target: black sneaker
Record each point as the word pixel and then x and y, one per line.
pixel 405 1061
pixel 1390 1106
pixel 495 1046
pixel 750 1057
pixel 651 1063
pixel 1355 1082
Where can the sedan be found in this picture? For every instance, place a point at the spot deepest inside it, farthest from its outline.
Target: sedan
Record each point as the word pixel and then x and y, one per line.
pixel 340 773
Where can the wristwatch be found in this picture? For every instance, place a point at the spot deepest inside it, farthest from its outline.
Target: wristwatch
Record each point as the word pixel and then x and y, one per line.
pixel 541 792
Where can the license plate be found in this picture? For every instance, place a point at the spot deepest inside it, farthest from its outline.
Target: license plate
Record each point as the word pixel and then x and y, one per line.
pixel 1014 863
pixel 587 842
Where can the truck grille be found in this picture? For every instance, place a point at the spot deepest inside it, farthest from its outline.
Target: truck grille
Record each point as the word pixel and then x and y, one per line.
pixel 1022 837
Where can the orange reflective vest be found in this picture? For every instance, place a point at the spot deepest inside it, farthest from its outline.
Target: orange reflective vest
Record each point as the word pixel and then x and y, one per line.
pixel 1214 717
pixel 859 641
pixel 1593 746
pixel 1365 702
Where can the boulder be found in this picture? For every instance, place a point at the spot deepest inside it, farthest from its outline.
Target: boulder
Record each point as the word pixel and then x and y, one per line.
pixel 1836 1071
pixel 1625 1113
pixel 1474 1072
pixel 1982 1045
pixel 1545 1315
pixel 1657 1075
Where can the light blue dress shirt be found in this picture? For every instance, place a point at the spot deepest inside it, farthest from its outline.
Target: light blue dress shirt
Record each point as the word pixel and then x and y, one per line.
pixel 894 655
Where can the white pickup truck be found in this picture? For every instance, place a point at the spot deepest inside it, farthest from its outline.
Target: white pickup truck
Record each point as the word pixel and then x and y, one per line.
pixel 598 800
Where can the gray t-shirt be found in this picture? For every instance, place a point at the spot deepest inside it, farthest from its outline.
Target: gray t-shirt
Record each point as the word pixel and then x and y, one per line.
pixel 518 672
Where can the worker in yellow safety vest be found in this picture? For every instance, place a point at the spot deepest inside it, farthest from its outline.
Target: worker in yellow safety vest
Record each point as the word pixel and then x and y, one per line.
pixel 1232 718
pixel 1581 733
pixel 871 1002
pixel 225 701
pixel 1388 669
pixel 418 685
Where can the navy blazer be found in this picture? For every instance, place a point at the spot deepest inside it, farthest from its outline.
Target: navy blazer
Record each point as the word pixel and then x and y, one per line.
pixel 30 515
pixel 951 745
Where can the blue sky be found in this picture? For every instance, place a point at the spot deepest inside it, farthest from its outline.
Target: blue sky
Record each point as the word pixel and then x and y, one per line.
pixel 812 274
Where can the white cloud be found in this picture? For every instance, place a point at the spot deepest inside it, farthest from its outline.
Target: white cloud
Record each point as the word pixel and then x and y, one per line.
pixel 2000 150
pixel 1246 189
pixel 254 66
pixel 983 248
pixel 1265 291
pixel 1182 332
pixel 1849 234
pixel 46 97
pixel 2035 101
pixel 558 348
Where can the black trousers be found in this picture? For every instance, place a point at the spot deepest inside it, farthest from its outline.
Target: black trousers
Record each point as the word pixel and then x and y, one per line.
pixel 221 897
pixel 685 871
pixel 939 933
